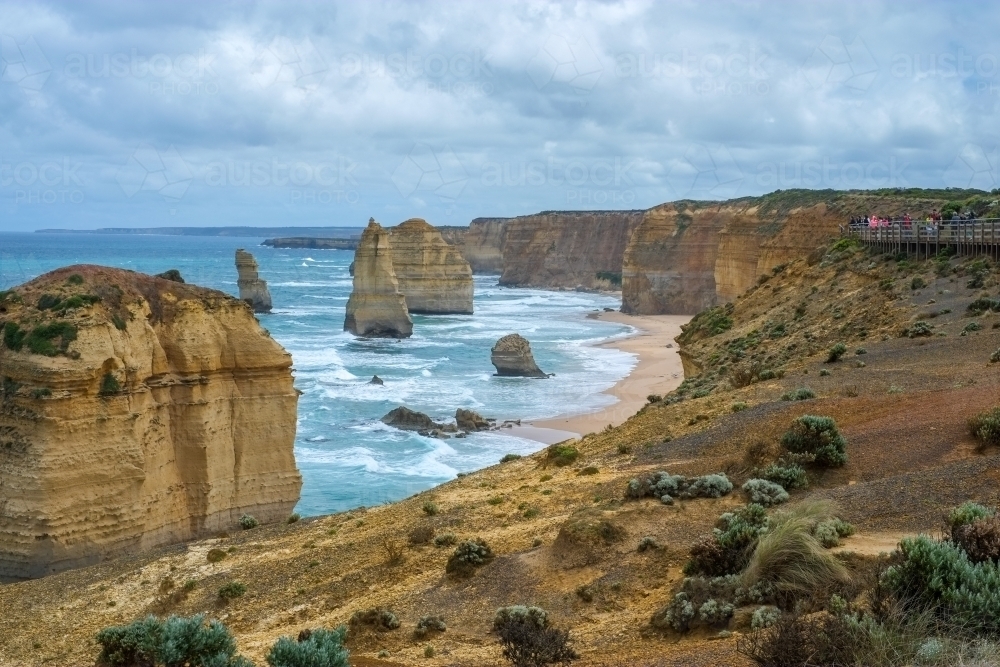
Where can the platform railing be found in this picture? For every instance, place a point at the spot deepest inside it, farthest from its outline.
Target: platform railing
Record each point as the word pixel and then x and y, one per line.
pixel 966 237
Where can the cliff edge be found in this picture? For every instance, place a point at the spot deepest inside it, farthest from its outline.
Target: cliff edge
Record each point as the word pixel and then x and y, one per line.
pixel 135 412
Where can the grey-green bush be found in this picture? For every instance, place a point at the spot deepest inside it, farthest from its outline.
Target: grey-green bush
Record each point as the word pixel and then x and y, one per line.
pixel 666 487
pixel 520 614
pixel 765 493
pixel 232 590
pixel 836 352
pixel 830 532
pixel 247 522
pixel 764 617
pixel 789 475
pixel 677 615
pixel 985 427
pixel 376 617
pixel 800 394
pixel 444 540
pixel 175 641
pixel 818 438
pixel 314 648
pixel 469 555
pixel 428 624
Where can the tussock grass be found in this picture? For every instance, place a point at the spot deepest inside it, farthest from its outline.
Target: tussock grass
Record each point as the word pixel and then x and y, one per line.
pixel 791 558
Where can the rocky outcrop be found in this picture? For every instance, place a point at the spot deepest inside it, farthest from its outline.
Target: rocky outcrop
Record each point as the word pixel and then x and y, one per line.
pixel 470 420
pixel 431 274
pixel 512 357
pixel 135 412
pixel 408 420
pixel 567 249
pixel 253 290
pixel 376 307
pixel 482 245
pixel 376 380
pixel 171 274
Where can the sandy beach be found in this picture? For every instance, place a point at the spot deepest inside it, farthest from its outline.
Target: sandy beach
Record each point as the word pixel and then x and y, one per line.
pixel 657 371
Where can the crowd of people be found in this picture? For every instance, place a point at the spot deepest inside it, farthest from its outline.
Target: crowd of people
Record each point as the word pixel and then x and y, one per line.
pixel 930 223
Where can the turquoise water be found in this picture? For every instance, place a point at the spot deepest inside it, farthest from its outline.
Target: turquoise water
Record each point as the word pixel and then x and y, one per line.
pixel 347 456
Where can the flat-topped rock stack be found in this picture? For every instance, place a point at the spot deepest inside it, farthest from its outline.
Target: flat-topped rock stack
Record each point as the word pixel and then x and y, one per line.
pixel 512 358
pixel 253 289
pixel 432 275
pixel 376 307
pixel 135 411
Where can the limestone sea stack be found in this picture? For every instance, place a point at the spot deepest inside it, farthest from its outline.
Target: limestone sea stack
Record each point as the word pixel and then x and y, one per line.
pixel 512 357
pixel 432 275
pixel 376 307
pixel 253 290
pixel 135 411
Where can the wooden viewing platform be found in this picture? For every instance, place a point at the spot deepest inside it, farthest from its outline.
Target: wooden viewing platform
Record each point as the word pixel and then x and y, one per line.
pixel 924 239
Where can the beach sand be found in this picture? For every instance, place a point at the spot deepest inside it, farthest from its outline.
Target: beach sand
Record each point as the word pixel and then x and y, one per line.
pixel 657 371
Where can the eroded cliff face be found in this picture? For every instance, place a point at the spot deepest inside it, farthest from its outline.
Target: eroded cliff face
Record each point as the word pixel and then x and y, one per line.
pixel 136 411
pixel 376 307
pixel 687 256
pixel 566 249
pixel 482 245
pixel 431 274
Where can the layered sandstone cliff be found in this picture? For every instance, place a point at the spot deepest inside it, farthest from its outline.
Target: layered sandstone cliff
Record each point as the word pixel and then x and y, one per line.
pixel 482 245
pixel 376 307
pixel 252 288
pixel 566 248
pixel 687 256
pixel 136 411
pixel 432 275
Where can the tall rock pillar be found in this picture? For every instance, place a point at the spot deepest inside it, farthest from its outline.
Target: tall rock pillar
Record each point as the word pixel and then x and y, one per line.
pixel 376 308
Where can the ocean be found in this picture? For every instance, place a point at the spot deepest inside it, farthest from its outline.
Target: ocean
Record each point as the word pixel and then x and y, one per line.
pixel 348 458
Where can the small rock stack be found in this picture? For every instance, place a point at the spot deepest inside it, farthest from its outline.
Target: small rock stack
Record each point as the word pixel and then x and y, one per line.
pixel 253 290
pixel 512 357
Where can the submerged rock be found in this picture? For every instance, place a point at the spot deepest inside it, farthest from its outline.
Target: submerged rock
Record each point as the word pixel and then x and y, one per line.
pixel 432 275
pixel 253 290
pixel 409 420
pixel 512 357
pixel 469 420
pixel 376 380
pixel 376 307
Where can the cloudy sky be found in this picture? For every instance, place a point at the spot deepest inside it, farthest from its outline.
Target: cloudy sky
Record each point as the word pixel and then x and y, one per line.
pixel 273 113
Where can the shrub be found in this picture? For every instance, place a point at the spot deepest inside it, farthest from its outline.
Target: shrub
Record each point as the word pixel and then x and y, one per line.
pixel 42 338
pixel 13 336
pixel 589 470
pixel 510 457
pixel 985 427
pixel 648 542
pixel 677 615
pixel 818 438
pixel 790 476
pixel 47 301
pixel 801 394
pixel 377 618
pixel 527 639
pixel 995 357
pixel 247 522
pixel 75 279
pixel 980 539
pixel 970 327
pixel 429 624
pixel 232 590
pixel 429 508
pixel 836 352
pixel 520 615
pixel 739 406
pixel 119 322
pixel 666 487
pixel 712 612
pixel 293 518
pixel 109 385
pixel 830 532
pixel 654 398
pixel 42 392
pixel 174 641
pixel 917 283
pixel 918 330
pixel 314 648
pixel 215 555
pixel 765 493
pixel 393 552
pixel 764 617
pixel 469 555
pixel 421 535
pixel 444 540
pixel 860 351
pixel 983 305
pixel 561 455
pixel 727 549
pixel 966 513
pixel 791 559
pixel 939 577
